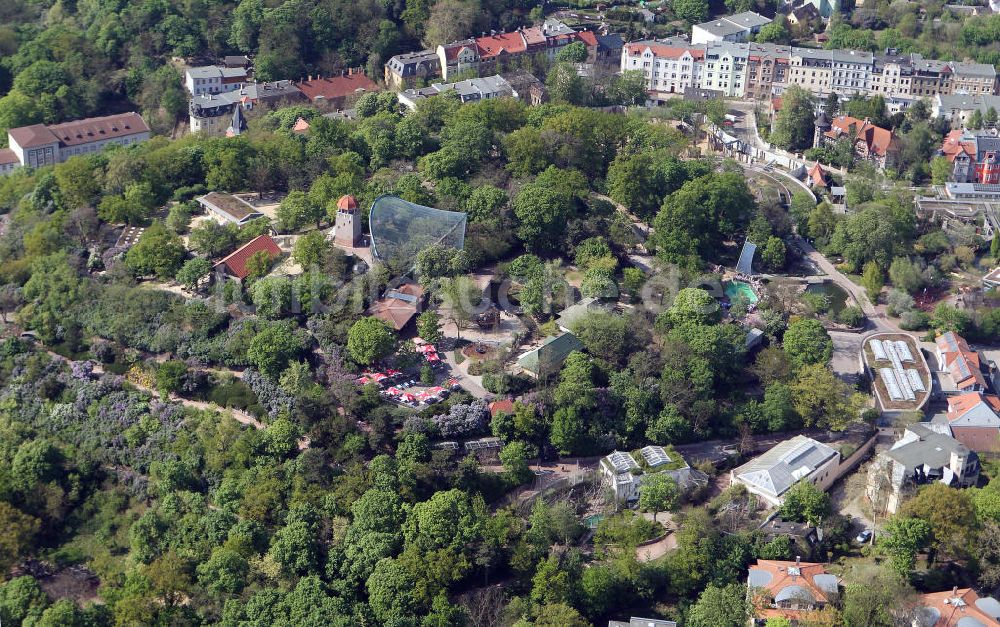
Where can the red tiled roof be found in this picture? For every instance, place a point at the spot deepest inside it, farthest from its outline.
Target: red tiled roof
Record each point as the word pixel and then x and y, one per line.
pixel 787 575
pixel 505 405
pixel 960 360
pixel 7 156
pixel 347 202
pixel 394 311
pixel 533 36
pixel 301 126
pixel 451 51
pixel 954 605
pixel 494 45
pixel 959 405
pixel 877 139
pixel 333 87
pixel 818 175
pixel 97 129
pixel 588 38
pixel 663 51
pixel 952 146
pixel 32 136
pixel 236 262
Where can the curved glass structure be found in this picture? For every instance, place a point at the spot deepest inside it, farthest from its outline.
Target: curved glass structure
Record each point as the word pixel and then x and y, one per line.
pixel 401 229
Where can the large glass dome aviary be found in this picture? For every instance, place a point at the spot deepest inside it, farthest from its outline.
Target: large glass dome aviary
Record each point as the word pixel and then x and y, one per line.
pixel 401 229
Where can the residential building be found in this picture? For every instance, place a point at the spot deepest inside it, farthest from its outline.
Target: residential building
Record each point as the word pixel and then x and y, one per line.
pixel 958 608
pixel 818 178
pixel 212 79
pixel 975 157
pixel 496 51
pixel 609 48
pixel 337 91
pixel 469 90
pixel 780 589
pixel 548 358
pixel 811 69
pixel 957 108
pixel 636 621
pixel 458 57
pixel 920 456
pixel 738 27
pixel 797 459
pixel 973 78
pixel 850 72
pixel 406 70
pixel 826 8
pixel 992 280
pixel 804 14
pixel 725 68
pixel 214 114
pixel 891 74
pixel 872 143
pixel 47 144
pixel 973 420
pixel 235 264
pixel 624 472
pixel 528 88
pixel 958 365
pixel 767 70
pixel 668 69
pixel 805 538
pixel 229 209
pixel 399 305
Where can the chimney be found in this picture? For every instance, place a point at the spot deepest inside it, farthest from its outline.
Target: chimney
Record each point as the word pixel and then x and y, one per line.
pixel 954 592
pixel 798 560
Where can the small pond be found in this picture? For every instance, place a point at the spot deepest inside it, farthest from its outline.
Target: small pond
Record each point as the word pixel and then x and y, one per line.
pixel 838 297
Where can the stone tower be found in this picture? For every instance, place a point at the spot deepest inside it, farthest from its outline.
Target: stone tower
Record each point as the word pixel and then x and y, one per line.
pixel 822 126
pixel 347 231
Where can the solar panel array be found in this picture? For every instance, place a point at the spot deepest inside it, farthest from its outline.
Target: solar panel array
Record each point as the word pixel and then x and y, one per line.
pixel 878 349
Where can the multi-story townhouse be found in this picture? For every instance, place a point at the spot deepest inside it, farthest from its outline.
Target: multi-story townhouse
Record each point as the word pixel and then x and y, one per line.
pixel 930 77
pixel 850 71
pixel 458 57
pixel 811 70
pixel 957 108
pixel 767 70
pixel 891 75
pixel 725 68
pixel 212 79
pixel 668 69
pixel 973 78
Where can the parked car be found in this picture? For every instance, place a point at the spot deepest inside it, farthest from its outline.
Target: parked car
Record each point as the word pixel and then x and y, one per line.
pixel 864 536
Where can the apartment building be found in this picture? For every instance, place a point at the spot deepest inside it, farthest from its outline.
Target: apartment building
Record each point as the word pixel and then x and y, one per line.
pixel 47 144
pixel 891 75
pixel 668 69
pixel 405 70
pixel 957 108
pixel 217 115
pixel 726 68
pixel 821 72
pixel 212 79
pixel 767 71
pixel 469 90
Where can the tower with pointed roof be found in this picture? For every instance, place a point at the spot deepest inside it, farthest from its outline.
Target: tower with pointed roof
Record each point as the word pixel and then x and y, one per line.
pixel 347 227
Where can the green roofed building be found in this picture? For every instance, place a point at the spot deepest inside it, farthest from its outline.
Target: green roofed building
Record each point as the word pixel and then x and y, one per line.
pixel 549 357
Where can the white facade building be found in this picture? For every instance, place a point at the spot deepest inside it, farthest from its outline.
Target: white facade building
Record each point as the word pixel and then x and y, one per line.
pixel 40 144
pixel 212 79
pixel 739 27
pixel 667 68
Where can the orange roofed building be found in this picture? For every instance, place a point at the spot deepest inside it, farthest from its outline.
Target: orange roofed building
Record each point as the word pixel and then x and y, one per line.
pixel 235 264
pixel 399 305
pixel 974 420
pixel 790 590
pixel 874 143
pixel 958 608
pixel 960 362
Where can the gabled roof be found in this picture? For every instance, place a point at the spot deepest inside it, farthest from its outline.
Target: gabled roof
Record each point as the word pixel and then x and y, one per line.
pixel 818 175
pixel 877 140
pixel 778 469
pixel 588 38
pixel 398 305
pixel 921 446
pixel 958 143
pixel 503 405
pixel 959 608
pixel 333 87
pixel 552 353
pixel 664 51
pixel 974 409
pixel 961 361
pixel 452 50
pixel 8 156
pixel 505 43
pixel 236 262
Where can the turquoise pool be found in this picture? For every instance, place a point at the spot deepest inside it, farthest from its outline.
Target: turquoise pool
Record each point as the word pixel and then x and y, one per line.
pixel 734 288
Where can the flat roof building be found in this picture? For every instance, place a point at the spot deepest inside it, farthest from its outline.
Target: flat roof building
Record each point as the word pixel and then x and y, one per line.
pixel 229 209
